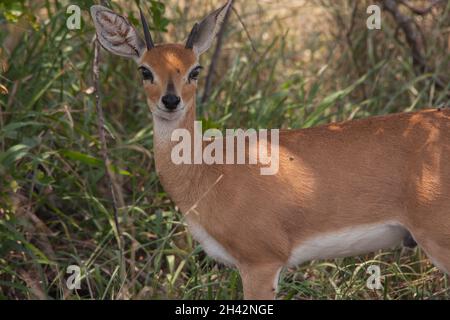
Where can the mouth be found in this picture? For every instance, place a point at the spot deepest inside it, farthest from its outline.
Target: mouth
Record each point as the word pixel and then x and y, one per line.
pixel 170 111
pixel 166 114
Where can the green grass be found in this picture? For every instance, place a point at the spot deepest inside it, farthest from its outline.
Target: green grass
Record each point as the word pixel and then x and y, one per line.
pixel 55 208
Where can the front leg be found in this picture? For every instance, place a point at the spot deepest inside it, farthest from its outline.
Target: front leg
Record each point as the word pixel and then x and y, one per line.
pixel 260 280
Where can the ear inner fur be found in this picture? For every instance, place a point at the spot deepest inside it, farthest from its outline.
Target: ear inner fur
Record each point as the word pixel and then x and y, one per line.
pixel 115 33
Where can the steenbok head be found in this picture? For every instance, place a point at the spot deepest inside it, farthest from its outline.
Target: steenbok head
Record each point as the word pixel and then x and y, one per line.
pixel 169 71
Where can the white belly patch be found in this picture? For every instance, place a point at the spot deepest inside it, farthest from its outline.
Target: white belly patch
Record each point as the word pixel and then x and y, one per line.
pixel 211 246
pixel 348 242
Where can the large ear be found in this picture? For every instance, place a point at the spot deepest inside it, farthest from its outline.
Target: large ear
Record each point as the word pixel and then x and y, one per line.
pixel 116 34
pixel 203 33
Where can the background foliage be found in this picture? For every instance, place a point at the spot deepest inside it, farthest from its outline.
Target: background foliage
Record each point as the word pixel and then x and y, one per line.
pixel 289 64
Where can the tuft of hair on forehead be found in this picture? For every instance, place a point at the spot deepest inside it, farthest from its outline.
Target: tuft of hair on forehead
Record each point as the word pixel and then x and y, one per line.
pixel 174 56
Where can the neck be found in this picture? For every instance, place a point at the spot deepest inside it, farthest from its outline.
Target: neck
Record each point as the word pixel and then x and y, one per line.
pixel 185 183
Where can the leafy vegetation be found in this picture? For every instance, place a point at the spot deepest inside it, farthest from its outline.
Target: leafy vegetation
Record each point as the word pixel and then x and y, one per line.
pixel 288 64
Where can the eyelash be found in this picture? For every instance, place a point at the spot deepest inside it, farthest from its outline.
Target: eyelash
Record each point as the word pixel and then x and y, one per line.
pixel 195 73
pixel 146 74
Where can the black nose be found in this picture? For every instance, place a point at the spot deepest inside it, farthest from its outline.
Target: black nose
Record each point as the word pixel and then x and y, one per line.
pixel 171 101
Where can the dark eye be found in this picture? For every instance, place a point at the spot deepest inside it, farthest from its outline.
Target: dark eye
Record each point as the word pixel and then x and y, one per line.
pixel 146 74
pixel 195 73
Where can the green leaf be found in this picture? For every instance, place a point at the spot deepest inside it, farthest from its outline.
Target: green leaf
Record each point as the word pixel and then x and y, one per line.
pixel 13 154
pixel 18 125
pixel 314 118
pixel 91 161
pixel 81 157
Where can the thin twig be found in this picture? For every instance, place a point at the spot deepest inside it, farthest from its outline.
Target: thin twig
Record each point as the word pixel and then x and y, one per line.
pixel 101 132
pixel 247 33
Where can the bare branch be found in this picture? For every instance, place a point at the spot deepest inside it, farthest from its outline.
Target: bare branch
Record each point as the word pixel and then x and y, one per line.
pixel 215 58
pixel 414 38
pixel 411 32
pixel 421 11
pixel 101 132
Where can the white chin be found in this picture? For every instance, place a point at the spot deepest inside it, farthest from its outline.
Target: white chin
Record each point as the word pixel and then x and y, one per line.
pixel 160 113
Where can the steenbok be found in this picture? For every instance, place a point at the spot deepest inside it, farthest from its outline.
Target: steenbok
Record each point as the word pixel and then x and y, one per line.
pixel 340 190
